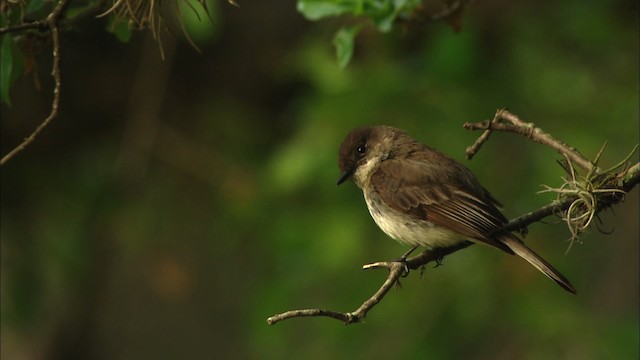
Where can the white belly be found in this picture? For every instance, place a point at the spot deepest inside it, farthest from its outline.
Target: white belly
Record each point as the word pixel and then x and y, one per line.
pixel 409 230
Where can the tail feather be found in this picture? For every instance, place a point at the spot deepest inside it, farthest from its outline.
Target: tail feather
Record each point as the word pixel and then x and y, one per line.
pixel 520 249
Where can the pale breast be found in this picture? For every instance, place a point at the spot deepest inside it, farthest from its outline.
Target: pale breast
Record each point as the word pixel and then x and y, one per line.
pixel 408 230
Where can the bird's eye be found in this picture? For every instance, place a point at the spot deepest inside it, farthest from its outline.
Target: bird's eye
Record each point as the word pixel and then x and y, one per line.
pixel 361 149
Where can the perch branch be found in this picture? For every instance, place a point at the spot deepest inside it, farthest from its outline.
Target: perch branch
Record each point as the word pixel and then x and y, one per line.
pixel 619 184
pixel 39 24
pixel 51 23
pixel 396 270
pixel 624 181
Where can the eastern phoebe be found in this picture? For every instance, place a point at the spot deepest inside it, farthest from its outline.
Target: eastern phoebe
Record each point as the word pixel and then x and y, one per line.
pixel 421 197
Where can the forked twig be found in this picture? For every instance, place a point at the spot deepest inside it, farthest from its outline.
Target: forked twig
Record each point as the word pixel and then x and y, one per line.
pixel 396 270
pixel 52 24
pixel 506 121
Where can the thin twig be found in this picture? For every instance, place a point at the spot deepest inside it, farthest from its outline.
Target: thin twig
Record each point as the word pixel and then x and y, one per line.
pixel 43 25
pixel 344 317
pixel 530 131
pixel 52 23
pixel 396 270
pixel 40 25
pixel 475 147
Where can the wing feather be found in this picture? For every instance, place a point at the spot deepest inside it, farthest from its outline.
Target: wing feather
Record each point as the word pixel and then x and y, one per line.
pixel 434 195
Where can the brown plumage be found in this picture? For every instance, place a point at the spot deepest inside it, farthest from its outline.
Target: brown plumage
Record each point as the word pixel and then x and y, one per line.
pixel 420 196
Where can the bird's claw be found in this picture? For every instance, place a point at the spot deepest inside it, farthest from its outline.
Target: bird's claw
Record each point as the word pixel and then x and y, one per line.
pixel 403 260
pixel 405 269
pixel 439 258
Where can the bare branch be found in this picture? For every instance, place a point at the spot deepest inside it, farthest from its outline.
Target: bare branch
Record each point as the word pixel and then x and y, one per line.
pixel 40 25
pixel 51 23
pixel 475 147
pixel 529 130
pixel 630 178
pixel 345 317
pixel 396 270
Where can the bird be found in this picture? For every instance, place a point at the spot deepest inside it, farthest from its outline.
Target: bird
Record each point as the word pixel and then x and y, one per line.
pixel 421 197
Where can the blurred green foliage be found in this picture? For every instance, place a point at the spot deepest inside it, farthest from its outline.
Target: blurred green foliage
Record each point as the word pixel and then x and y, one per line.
pixel 383 13
pixel 6 68
pixel 167 215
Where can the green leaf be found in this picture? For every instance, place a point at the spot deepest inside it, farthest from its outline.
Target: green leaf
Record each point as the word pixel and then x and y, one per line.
pixel 344 41
pixel 385 14
pixel 385 24
pixel 198 19
pixel 120 29
pixel 318 9
pixel 6 67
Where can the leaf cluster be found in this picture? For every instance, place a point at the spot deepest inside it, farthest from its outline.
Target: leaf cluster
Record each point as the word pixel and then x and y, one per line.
pixel 382 13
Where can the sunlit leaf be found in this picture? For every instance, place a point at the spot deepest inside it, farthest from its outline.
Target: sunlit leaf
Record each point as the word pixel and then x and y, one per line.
pixel 385 16
pixel 385 24
pixel 344 42
pixel 318 9
pixel 121 30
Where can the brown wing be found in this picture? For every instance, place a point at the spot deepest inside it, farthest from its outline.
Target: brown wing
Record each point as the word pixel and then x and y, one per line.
pixel 444 193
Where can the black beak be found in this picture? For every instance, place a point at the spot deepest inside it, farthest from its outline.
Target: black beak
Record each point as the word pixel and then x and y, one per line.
pixel 345 175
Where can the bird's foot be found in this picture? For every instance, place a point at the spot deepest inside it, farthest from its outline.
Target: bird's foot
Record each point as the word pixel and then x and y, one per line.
pixel 439 257
pixel 403 260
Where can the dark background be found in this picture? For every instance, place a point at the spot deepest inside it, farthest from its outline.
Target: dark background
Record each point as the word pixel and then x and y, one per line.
pixel 176 204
